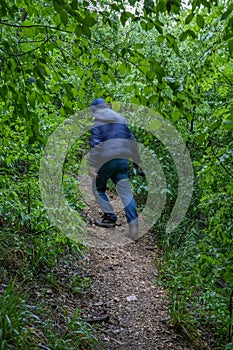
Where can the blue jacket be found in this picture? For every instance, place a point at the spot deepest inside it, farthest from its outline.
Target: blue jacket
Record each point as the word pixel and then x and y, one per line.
pixel 111 138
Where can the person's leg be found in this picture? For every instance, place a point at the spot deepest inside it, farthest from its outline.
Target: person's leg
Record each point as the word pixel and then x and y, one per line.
pixel 121 178
pixel 124 191
pixel 99 186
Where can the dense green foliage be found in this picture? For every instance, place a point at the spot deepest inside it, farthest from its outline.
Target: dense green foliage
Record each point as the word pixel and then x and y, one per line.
pixel 55 56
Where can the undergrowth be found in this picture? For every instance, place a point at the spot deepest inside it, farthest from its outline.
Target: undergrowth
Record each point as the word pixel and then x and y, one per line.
pixel 198 278
pixel 37 273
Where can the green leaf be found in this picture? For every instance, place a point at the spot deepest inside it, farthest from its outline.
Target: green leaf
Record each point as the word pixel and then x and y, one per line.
pixel 149 5
pixel 138 46
pixel 150 75
pixel 87 31
pixel 228 125
pixel 172 40
pixel 158 68
pixel 123 68
pixel 173 6
pixel 230 45
pixel 160 39
pixel 201 138
pixel 200 21
pixel 124 17
pixel 215 125
pixel 56 6
pixel 78 30
pixel 153 98
pixel 40 84
pixel 3 91
pixel 3 8
pixel 148 25
pixel 161 6
pixel 59 2
pixel 148 90
pixel 90 21
pixel 64 17
pixel 183 36
pixel 143 25
pixel 57 19
pixel 56 88
pixel 176 115
pixel 228 276
pixel 158 27
pixel 40 71
pixel 227 12
pixel 144 67
pixel 191 33
pixel 189 18
pixel 196 163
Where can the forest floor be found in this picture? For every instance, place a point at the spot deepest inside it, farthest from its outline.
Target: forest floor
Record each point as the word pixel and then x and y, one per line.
pixel 132 309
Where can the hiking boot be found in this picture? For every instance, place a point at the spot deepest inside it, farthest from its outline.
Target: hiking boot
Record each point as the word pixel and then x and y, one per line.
pixel 133 230
pixel 106 223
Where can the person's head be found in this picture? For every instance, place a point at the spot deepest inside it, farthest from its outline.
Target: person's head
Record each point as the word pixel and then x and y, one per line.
pixel 98 102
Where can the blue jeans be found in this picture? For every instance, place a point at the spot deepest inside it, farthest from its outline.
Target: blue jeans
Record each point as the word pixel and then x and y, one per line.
pixel 118 171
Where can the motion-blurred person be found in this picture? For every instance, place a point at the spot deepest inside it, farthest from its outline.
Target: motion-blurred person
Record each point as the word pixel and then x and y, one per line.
pixel 112 145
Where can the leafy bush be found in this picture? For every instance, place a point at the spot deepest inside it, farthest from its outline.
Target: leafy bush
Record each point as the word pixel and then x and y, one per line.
pixel 22 328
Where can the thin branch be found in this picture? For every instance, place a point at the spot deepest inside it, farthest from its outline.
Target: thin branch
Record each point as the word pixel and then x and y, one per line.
pixel 29 51
pixel 30 41
pixel 19 54
pixel 222 165
pixel 46 27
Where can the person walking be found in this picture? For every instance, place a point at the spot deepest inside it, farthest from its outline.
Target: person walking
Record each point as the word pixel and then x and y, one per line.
pixel 112 145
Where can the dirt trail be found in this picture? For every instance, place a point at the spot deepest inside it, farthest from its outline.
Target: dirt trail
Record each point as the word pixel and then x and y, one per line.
pixel 126 295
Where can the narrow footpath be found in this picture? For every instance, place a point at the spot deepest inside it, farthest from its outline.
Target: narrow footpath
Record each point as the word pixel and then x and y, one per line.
pixel 129 310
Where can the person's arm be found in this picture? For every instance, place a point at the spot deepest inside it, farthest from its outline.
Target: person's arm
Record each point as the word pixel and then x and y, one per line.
pixel 95 140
